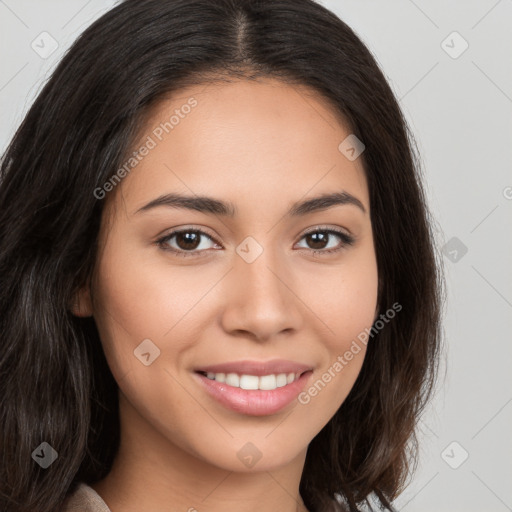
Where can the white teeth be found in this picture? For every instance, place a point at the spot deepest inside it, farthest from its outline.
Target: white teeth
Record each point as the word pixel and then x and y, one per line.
pixel 232 379
pixel 220 377
pixel 281 380
pixel 249 382
pixel 265 382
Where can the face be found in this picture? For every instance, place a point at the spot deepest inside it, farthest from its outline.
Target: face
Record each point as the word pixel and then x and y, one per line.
pixel 180 289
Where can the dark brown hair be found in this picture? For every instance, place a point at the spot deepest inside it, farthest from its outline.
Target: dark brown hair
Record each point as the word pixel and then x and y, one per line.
pixel 55 384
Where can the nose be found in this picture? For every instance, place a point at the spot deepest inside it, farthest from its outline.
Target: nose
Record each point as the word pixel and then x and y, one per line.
pixel 262 299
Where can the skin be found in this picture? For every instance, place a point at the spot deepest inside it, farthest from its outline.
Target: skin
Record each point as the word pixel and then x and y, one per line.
pixel 261 145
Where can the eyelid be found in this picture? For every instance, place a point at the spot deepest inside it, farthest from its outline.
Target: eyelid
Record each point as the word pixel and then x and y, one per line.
pixel 180 229
pixel 325 227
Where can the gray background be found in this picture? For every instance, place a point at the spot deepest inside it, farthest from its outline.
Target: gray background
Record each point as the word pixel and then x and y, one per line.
pixel 459 107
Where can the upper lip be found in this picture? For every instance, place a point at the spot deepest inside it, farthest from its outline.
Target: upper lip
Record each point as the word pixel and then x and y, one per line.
pixel 257 368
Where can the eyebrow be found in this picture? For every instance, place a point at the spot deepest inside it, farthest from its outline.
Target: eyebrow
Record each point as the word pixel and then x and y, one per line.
pixel 207 204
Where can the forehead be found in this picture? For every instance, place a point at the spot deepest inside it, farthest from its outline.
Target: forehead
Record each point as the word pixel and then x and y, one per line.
pixel 249 141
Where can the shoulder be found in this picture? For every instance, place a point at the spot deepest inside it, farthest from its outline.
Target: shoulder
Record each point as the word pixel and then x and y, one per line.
pixel 85 499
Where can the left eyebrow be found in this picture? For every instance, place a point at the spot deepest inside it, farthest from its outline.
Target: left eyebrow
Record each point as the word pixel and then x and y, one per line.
pixel 323 202
pixel 207 204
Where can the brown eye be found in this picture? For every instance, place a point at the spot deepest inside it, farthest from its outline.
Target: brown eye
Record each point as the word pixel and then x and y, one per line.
pixel 186 242
pixel 318 240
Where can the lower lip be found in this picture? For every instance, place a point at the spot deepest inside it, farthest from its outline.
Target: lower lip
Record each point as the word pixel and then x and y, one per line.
pixel 255 402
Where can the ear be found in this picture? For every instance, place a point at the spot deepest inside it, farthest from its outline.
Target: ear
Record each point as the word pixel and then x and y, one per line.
pixel 81 305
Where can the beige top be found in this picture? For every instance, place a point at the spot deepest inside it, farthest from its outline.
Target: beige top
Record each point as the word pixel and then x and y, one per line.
pixel 85 499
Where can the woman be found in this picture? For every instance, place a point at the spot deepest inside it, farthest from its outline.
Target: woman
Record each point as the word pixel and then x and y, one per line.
pixel 220 286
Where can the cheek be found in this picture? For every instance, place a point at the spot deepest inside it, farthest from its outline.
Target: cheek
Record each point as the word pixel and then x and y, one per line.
pixel 140 297
pixel 353 307
pixel 129 301
pixel 345 301
pixel 345 298
pixel 143 298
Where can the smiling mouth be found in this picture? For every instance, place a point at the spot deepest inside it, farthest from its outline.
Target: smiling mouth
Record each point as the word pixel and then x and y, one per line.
pixel 267 382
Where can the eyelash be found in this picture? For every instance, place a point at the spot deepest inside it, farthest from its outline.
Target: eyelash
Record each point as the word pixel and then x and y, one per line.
pixel 346 240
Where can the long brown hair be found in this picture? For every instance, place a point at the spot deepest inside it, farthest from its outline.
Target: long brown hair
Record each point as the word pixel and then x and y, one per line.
pixel 55 384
